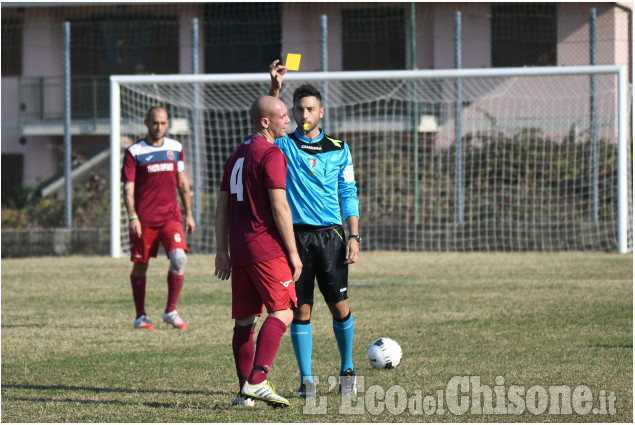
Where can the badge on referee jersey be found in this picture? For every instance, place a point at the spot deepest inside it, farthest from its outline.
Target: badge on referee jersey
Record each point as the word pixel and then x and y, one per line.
pixel 311 162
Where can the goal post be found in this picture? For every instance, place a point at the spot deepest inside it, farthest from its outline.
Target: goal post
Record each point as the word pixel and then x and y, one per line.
pixel 624 170
pixel 115 173
pixel 521 177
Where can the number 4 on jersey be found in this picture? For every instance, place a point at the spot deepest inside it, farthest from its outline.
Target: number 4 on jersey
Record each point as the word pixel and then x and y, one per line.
pixel 236 180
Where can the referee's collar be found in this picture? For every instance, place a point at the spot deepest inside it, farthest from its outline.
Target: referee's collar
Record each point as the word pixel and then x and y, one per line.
pixel 307 140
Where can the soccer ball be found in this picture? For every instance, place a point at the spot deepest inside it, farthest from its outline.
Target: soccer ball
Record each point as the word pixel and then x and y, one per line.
pixel 384 353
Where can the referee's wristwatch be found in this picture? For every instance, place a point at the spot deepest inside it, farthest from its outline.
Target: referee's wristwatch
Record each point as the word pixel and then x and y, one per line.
pixel 356 237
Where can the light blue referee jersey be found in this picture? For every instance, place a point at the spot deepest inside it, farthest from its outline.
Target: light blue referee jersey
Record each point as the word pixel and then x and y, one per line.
pixel 319 172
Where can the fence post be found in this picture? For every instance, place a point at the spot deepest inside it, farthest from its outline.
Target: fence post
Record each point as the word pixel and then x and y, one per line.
pixel 458 126
pixel 593 119
pixel 67 125
pixel 415 113
pixel 196 142
pixel 324 50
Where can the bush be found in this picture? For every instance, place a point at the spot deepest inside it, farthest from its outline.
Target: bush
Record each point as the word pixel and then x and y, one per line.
pixel 29 210
pixel 519 175
pixel 14 219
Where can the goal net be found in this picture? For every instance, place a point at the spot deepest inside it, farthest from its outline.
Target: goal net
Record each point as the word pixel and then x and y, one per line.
pixel 505 159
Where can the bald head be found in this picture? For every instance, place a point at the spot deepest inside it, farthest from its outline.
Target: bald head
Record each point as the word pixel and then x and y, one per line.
pixel 157 123
pixel 263 107
pixel 155 110
pixel 269 117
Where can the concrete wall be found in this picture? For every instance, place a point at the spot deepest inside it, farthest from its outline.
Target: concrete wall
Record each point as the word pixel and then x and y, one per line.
pixel 61 242
pixel 600 236
pixel 55 242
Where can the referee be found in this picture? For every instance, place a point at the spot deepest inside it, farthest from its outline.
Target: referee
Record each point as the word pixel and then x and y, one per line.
pixel 320 176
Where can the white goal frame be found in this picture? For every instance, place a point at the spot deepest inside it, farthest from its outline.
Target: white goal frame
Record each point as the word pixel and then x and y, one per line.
pixel 622 116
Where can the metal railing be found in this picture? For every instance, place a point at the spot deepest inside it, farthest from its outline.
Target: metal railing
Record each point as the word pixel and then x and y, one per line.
pixel 41 99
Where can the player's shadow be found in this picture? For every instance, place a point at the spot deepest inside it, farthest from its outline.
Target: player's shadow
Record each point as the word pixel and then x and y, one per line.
pixel 42 325
pixel 82 401
pixel 109 390
pixel 104 390
pixel 627 346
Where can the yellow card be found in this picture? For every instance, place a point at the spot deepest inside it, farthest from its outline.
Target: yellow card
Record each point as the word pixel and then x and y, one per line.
pixel 293 61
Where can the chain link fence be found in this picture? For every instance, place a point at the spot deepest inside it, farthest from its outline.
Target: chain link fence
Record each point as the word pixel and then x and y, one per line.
pixel 147 38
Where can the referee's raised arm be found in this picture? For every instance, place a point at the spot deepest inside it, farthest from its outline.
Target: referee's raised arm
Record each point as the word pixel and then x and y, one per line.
pixel 276 72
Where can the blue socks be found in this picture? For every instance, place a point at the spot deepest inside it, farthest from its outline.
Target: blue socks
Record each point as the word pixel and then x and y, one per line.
pixel 344 331
pixel 302 339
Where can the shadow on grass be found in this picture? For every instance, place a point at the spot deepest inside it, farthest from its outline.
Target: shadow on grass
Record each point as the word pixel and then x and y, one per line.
pixel 627 346
pixel 151 404
pixel 29 325
pixel 70 400
pixel 107 390
pixel 46 325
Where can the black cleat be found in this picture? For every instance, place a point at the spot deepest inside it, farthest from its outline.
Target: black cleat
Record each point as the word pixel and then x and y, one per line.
pixel 307 390
pixel 348 382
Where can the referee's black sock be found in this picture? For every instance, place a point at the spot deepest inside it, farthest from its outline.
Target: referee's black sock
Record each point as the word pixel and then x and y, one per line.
pixel 348 316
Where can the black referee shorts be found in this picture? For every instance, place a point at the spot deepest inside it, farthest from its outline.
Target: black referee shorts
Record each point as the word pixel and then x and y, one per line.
pixel 323 253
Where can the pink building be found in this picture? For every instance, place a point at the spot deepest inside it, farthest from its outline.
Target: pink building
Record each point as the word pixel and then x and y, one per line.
pixel 147 38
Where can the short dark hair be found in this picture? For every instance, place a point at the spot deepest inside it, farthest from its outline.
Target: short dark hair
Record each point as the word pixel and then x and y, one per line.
pixel 306 90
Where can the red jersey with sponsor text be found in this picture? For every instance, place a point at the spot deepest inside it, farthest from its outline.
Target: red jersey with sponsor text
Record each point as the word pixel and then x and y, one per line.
pixel 250 171
pixel 153 170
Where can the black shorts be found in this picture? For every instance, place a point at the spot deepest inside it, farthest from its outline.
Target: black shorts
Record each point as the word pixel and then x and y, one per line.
pixel 323 253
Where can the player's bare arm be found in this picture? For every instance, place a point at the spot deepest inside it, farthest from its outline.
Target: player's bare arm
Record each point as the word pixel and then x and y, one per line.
pixel 352 246
pixel 183 186
pixel 134 226
pixel 276 72
pixel 223 263
pixel 282 216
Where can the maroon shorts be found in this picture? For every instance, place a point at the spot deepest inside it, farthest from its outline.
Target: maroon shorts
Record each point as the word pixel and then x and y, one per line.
pixel 268 282
pixel 171 236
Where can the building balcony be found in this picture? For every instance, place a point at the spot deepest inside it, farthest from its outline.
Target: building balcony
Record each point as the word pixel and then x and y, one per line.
pixel 40 106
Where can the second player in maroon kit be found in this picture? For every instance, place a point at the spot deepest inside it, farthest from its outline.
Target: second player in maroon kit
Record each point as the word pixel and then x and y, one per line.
pixel 254 229
pixel 152 173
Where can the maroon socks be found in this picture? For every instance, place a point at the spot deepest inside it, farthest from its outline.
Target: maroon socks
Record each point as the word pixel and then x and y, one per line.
pixel 243 348
pixel 139 293
pixel 175 284
pixel 267 346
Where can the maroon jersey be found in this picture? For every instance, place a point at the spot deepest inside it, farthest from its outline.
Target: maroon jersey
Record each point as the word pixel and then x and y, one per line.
pixel 153 170
pixel 254 167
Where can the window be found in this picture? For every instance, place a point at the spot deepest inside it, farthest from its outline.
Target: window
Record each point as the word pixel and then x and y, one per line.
pixel 125 45
pixel 524 34
pixel 11 47
pixel 241 37
pixel 12 172
pixel 109 45
pixel 373 38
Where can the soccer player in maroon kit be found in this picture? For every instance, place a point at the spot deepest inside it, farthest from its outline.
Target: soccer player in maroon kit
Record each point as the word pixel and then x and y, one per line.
pixel 153 170
pixel 253 223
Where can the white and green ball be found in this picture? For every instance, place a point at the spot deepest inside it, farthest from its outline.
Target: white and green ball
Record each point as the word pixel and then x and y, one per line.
pixel 384 353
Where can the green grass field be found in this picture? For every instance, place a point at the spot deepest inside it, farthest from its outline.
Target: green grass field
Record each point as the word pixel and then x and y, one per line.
pixel 521 324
